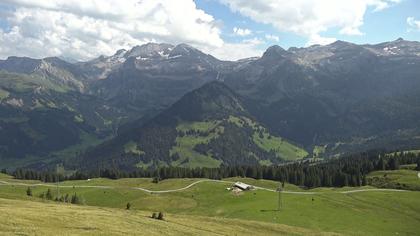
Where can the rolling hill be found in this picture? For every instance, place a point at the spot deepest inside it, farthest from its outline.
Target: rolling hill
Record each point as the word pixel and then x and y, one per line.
pixel 208 205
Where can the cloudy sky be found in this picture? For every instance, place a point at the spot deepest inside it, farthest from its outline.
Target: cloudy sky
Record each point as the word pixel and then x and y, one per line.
pixel 228 29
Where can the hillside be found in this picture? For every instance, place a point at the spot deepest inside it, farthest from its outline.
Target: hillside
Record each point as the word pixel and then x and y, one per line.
pixel 24 217
pixel 207 127
pixel 332 100
pixel 343 96
pixel 399 179
pixel 308 211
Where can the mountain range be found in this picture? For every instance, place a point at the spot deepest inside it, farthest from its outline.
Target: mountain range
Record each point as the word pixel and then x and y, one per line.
pixel 160 104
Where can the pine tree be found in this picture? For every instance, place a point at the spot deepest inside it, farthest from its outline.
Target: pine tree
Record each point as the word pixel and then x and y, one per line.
pixel 29 192
pixel 128 206
pixel 364 181
pixel 381 164
pixel 418 163
pixel 75 199
pixel 394 164
pixel 49 196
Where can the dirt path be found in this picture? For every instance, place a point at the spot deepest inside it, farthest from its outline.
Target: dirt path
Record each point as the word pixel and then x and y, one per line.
pixel 374 190
pixel 195 183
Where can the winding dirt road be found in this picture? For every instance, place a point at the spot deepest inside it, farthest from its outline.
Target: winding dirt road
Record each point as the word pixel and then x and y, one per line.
pixel 195 183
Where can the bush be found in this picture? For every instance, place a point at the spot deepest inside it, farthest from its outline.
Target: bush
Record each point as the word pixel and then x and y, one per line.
pixel 154 215
pixel 156 180
pixel 160 216
pixel 77 200
pixel 128 206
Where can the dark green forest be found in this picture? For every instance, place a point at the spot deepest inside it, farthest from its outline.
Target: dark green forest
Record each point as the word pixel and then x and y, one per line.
pixel 347 171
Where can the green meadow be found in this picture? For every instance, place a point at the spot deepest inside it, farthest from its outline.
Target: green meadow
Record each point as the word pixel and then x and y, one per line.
pixel 399 179
pixel 318 211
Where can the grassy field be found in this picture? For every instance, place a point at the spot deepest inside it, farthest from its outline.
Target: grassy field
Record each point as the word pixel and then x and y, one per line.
pixel 268 142
pixel 184 146
pixel 329 210
pixel 24 218
pixel 282 148
pixel 401 179
pixel 3 94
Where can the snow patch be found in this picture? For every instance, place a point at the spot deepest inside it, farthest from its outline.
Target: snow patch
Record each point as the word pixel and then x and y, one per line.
pixel 176 56
pixel 142 58
pixel 162 54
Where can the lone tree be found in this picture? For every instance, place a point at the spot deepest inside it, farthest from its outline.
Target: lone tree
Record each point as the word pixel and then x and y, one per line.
pixel 418 163
pixel 29 191
pixel 128 206
pixel 394 164
pixel 67 198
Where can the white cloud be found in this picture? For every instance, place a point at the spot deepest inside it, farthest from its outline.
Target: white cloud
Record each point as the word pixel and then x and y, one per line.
pixel 83 29
pixel 413 23
pixel 272 37
pixel 309 18
pixel 241 32
pixel 235 51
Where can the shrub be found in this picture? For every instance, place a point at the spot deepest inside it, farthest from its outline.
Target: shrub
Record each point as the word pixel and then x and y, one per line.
pixel 156 180
pixel 77 200
pixel 160 216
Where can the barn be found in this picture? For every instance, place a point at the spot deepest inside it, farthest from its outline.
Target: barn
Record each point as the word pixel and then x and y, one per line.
pixel 243 186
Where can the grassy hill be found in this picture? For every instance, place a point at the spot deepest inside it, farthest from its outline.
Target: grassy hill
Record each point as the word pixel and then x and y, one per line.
pixel 320 210
pixel 24 217
pixel 401 179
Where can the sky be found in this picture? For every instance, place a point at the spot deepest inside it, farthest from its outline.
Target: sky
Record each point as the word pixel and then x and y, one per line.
pixel 228 29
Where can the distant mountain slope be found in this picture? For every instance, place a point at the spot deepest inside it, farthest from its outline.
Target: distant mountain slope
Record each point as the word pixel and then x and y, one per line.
pixel 39 117
pixel 206 127
pixel 330 99
pixel 343 96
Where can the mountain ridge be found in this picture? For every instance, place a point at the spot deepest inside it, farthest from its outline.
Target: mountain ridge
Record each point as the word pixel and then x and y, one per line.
pixel 344 97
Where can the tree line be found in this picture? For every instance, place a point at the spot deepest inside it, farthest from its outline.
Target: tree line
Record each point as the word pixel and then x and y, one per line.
pixel 346 171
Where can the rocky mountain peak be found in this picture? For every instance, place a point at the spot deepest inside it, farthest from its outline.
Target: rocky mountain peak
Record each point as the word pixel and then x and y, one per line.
pixel 150 50
pixel 274 51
